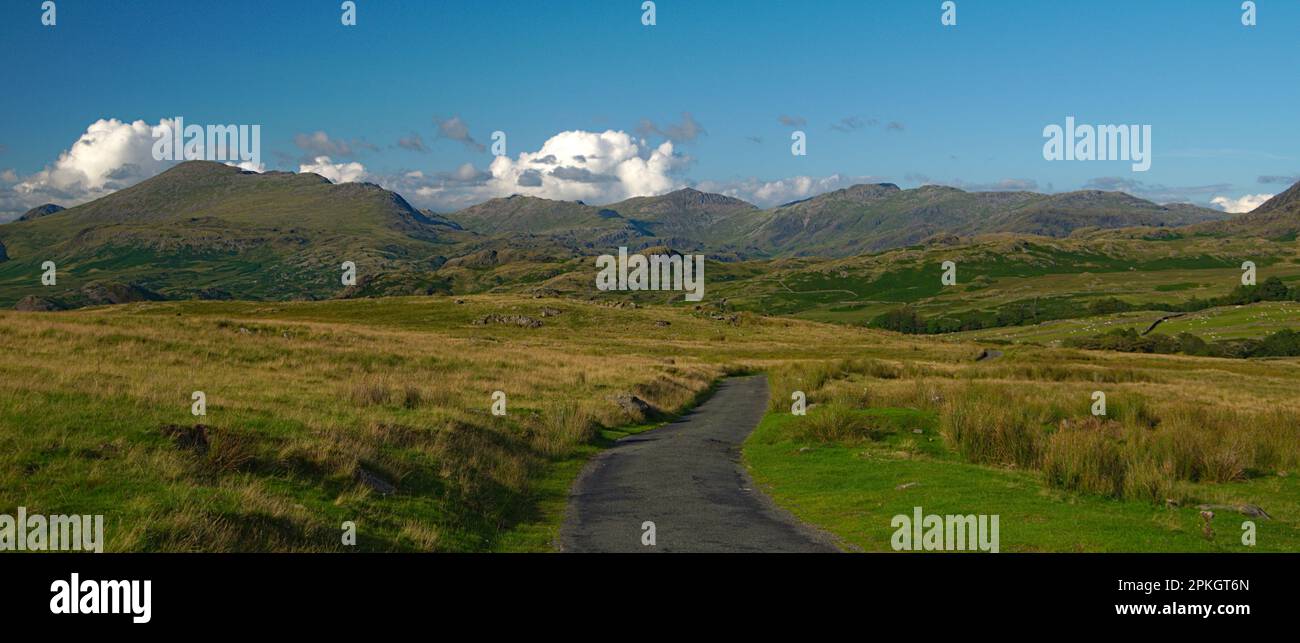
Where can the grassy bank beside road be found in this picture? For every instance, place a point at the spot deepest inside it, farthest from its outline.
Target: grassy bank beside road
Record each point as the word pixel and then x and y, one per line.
pixel 1015 437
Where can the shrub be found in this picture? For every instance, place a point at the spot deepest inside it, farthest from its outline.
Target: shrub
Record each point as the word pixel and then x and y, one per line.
pixel 904 319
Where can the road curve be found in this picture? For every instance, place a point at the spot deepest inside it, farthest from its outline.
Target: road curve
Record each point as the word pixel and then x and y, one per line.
pixel 687 479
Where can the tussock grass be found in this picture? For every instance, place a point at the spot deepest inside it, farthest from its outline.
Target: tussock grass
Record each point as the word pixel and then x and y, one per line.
pixel 1140 450
pixel 320 407
pixel 1050 372
pixel 1086 457
pixel 562 427
pixel 994 426
pixel 371 411
pixel 1170 427
pixel 835 422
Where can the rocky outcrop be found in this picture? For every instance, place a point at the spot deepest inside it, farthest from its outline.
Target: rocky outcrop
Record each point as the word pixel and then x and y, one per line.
pixel 509 320
pixel 635 406
pixel 95 293
pixel 1245 509
pixel 34 304
pixel 99 293
pixel 41 211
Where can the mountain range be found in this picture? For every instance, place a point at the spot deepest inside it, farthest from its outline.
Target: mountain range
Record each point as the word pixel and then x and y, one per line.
pixel 207 230
pixel 853 220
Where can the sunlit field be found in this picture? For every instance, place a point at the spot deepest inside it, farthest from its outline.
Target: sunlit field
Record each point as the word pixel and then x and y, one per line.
pixel 379 412
pixel 376 412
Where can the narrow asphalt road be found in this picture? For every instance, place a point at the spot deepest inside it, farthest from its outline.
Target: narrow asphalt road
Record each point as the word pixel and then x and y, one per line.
pixel 687 479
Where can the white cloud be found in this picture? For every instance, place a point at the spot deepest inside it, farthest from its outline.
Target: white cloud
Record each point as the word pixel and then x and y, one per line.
pixel 1157 192
pixel 466 173
pixel 454 128
pixel 249 166
pixel 319 143
pixel 575 165
pixel 588 166
pixel 1244 204
pixel 777 192
pixel 594 167
pixel 686 131
pixel 336 172
pixel 110 155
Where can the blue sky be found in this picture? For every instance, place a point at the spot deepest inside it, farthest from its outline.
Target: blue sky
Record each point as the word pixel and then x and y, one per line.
pixel 882 90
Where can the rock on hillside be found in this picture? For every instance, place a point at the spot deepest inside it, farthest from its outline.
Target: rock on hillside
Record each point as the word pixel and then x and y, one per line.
pixel 41 211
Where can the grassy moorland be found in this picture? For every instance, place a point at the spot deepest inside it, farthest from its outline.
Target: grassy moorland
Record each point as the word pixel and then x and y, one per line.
pixel 1014 436
pixel 378 412
pixel 1035 278
pixel 372 411
pixel 1250 321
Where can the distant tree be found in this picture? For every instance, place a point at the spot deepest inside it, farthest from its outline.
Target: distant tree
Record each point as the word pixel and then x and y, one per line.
pixel 904 319
pixel 1109 306
pixel 1192 345
pixel 936 325
pixel 1283 343
pixel 1273 290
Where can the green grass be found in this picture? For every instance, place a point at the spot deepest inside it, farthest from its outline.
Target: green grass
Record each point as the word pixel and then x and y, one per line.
pixel 994 272
pixel 84 394
pixel 310 391
pixel 851 490
pixel 1226 322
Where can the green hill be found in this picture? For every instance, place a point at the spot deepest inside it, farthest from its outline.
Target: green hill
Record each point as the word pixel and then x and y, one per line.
pixel 686 219
pixel 208 230
pixel 1277 218
pixel 41 211
pixel 854 220
pixel 871 218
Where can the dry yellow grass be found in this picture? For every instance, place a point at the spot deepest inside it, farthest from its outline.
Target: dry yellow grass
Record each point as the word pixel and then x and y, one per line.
pixel 1170 420
pixel 372 411
pixel 378 411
